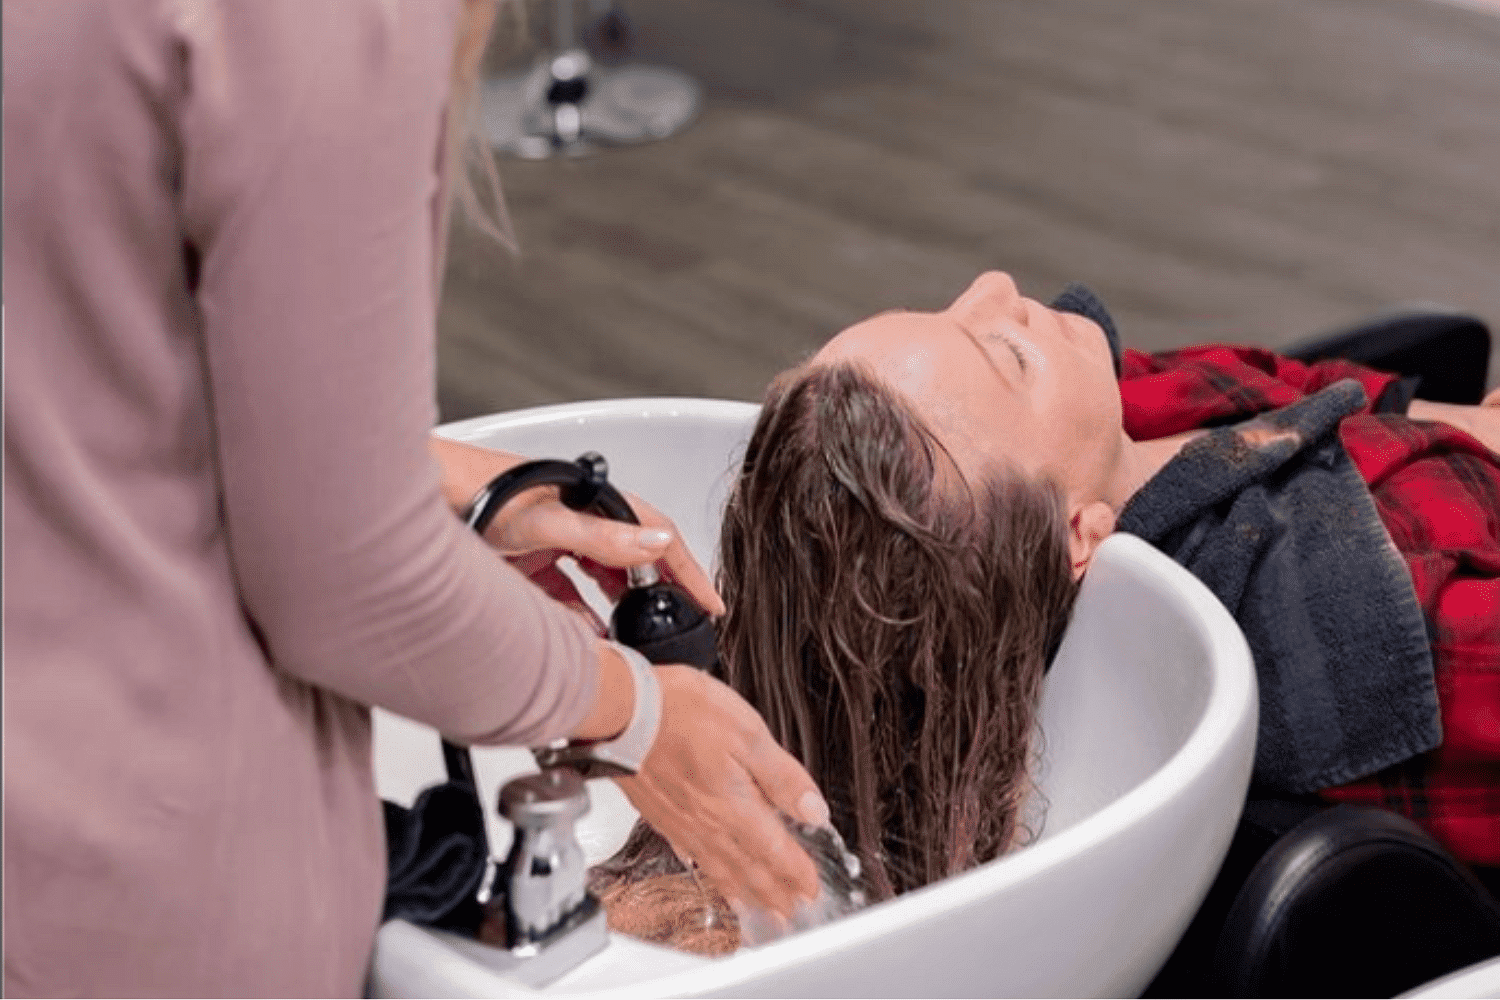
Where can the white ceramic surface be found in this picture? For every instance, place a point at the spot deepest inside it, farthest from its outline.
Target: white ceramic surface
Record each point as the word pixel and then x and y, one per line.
pixel 1148 719
pixel 1482 979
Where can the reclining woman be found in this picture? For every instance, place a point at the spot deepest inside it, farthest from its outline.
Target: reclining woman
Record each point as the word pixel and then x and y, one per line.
pixel 920 500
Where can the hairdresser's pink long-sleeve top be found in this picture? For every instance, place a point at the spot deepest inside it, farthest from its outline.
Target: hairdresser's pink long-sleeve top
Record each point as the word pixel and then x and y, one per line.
pixel 223 532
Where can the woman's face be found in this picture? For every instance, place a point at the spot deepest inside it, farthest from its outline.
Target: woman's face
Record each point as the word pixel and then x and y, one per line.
pixel 1001 379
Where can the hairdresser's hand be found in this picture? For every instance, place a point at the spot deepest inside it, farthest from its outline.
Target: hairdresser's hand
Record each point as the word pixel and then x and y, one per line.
pixel 543 530
pixel 535 530
pixel 712 785
pixel 1482 421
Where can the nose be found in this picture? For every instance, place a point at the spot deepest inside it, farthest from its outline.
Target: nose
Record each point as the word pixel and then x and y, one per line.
pixel 993 293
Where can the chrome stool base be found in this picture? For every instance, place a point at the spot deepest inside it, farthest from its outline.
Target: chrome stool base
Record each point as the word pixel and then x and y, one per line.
pixel 621 106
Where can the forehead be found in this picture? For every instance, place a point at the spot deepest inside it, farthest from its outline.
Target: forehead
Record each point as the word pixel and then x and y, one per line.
pixel 946 378
pixel 906 350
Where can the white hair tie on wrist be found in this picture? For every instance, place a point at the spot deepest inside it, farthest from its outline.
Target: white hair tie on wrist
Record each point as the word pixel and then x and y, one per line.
pixel 624 754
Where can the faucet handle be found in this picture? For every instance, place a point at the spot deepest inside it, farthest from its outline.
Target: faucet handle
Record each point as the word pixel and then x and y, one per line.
pixel 546 873
pixel 551 797
pixel 545 921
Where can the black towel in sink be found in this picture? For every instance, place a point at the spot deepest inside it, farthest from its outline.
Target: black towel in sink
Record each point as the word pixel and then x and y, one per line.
pixel 437 855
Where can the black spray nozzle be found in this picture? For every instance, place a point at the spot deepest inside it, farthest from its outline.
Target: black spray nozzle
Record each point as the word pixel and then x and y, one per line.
pixel 665 626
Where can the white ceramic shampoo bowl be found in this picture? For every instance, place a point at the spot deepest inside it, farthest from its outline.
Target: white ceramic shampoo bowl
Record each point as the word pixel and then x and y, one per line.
pixel 1148 720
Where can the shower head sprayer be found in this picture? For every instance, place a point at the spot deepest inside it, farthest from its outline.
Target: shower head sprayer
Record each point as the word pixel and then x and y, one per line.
pixel 655 617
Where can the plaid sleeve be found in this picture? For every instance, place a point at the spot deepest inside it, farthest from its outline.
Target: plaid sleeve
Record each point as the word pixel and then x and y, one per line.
pixel 1438 492
pixel 1217 384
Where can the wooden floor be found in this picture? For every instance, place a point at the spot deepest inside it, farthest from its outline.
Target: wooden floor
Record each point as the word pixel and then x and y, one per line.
pixel 1246 170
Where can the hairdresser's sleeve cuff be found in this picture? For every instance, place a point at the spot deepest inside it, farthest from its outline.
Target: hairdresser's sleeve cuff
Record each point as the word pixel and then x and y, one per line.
pixel 624 754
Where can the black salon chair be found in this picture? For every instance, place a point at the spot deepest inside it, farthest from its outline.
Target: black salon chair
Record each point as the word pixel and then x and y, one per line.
pixel 1320 900
pixel 1353 902
pixel 1448 350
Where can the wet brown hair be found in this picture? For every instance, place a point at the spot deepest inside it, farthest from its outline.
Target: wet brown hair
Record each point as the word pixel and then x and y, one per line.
pixel 891 620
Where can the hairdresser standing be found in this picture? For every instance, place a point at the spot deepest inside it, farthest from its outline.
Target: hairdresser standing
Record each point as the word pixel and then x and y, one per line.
pixel 225 532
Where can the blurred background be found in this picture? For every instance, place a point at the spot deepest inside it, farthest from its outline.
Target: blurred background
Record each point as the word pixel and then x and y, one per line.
pixel 1255 171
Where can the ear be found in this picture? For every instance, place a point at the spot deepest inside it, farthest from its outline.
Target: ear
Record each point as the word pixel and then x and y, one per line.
pixel 1090 524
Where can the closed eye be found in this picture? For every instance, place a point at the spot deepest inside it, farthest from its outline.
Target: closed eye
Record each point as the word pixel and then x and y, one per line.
pixel 1020 358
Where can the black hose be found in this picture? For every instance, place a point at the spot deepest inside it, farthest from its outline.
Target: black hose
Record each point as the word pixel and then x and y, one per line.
pixel 582 485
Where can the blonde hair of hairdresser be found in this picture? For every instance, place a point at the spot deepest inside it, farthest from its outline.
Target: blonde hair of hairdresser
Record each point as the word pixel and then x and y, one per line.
pixel 467 152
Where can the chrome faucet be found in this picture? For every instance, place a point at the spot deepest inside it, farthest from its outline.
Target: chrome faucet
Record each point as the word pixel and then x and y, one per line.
pixel 539 914
pixel 546 871
pixel 544 916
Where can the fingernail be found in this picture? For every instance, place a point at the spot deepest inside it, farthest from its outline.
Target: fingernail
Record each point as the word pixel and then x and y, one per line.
pixel 653 538
pixel 813 809
pixel 810 913
pixel 757 926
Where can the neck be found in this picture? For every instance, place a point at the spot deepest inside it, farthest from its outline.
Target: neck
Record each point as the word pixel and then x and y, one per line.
pixel 1139 462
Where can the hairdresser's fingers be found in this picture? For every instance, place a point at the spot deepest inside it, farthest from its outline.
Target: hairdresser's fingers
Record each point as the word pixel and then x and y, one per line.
pixel 534 562
pixel 784 781
pixel 757 927
pixel 540 567
pixel 775 885
pixel 611 579
pixel 738 853
pixel 614 582
pixel 1493 399
pixel 549 524
pixel 676 562
pixel 681 566
pixel 558 587
pixel 538 519
pixel 696 789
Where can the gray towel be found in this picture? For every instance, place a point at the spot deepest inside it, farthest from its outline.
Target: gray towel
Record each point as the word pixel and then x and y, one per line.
pixel 1274 518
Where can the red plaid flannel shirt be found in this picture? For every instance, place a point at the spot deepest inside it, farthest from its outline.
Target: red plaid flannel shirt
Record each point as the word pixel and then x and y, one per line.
pixel 1438 492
